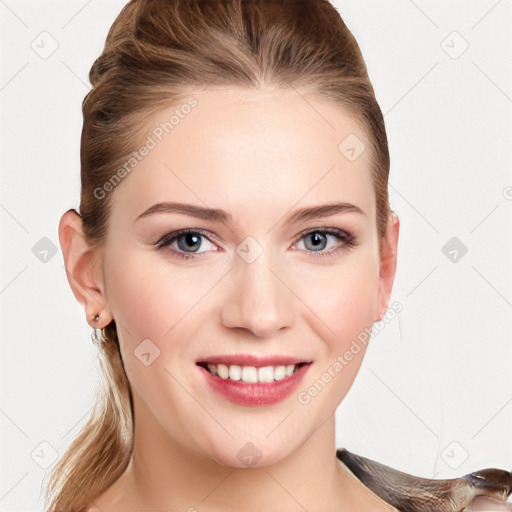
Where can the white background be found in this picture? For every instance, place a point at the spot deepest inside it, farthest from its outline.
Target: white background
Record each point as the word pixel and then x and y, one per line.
pixel 434 394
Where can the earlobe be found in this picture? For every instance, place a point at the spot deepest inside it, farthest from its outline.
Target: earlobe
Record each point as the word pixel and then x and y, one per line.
pixel 83 270
pixel 388 261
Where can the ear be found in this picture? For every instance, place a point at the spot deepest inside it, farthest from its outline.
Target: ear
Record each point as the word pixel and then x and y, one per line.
pixel 83 269
pixel 388 259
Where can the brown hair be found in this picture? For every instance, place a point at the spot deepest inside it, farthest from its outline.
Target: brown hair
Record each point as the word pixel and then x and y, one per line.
pixel 155 54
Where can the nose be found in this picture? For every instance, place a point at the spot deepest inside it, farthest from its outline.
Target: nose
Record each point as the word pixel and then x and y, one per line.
pixel 259 299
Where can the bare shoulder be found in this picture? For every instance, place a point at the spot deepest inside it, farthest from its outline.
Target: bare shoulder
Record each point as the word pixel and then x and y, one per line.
pixel 486 504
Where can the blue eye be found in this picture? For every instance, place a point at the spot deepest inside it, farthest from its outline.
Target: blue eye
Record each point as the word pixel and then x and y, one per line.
pixel 185 239
pixel 321 234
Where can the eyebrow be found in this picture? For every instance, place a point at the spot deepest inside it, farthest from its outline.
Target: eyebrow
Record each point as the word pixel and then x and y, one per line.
pixel 220 215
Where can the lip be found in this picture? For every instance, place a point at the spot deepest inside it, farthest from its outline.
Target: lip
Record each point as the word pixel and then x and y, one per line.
pixel 249 393
pixel 255 360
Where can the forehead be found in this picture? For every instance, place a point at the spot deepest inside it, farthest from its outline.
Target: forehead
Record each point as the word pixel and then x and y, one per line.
pixel 249 151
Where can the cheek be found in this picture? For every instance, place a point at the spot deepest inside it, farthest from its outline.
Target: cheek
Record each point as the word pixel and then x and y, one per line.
pixel 149 298
pixel 344 296
pixel 156 302
pixel 345 301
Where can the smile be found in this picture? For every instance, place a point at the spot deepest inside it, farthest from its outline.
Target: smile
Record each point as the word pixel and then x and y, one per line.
pixel 251 374
pixel 250 385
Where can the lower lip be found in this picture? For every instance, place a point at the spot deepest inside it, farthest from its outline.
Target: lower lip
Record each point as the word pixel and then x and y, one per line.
pixel 253 394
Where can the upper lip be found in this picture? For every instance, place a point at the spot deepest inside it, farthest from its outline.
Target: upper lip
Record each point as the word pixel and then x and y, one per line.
pixel 257 360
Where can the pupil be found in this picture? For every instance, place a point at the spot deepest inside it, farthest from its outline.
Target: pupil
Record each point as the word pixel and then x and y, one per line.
pixel 318 237
pixel 193 239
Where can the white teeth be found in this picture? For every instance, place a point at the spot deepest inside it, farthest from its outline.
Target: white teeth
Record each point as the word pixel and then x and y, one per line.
pixel 235 372
pixel 280 372
pixel 252 374
pixel 222 371
pixel 266 374
pixel 249 374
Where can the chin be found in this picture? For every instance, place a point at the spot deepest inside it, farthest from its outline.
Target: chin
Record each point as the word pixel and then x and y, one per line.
pixel 248 454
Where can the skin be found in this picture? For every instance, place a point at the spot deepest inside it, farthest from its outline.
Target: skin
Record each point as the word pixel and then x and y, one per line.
pixel 484 504
pixel 259 155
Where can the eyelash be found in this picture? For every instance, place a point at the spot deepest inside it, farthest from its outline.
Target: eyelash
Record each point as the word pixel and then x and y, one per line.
pixel 348 240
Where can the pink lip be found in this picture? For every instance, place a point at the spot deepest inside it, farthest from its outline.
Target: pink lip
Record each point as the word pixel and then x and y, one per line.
pixel 253 394
pixel 253 360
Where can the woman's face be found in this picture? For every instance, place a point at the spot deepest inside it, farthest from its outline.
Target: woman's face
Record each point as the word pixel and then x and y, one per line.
pixel 252 283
